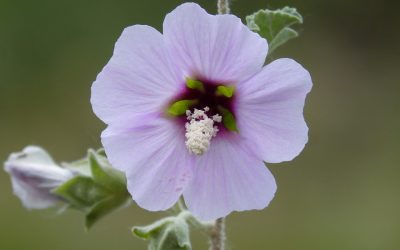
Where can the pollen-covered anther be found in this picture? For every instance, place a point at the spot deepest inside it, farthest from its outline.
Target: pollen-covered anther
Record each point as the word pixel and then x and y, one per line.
pixel 200 130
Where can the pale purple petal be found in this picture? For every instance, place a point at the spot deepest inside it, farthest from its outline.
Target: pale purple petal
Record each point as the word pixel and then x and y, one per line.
pixel 139 78
pixel 228 178
pixel 270 110
pixel 219 48
pixel 154 159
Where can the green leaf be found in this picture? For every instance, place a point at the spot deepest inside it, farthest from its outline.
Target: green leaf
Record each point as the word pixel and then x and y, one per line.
pixel 110 179
pixel 194 84
pixel 171 233
pixel 81 192
pixel 80 167
pixel 180 107
pixel 103 174
pixel 103 208
pixel 282 37
pixel 98 173
pixel 97 190
pixel 145 232
pixel 274 25
pixel 226 91
pixel 228 119
pixel 101 152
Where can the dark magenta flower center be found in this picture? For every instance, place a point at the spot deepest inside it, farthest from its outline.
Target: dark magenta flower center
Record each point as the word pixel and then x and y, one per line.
pixel 201 93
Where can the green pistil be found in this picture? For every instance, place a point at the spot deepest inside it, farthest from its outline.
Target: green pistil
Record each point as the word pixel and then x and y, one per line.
pixel 194 84
pixel 228 119
pixel 226 91
pixel 179 108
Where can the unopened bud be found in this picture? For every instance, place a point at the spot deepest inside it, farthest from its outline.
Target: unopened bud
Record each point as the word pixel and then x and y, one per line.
pixel 34 175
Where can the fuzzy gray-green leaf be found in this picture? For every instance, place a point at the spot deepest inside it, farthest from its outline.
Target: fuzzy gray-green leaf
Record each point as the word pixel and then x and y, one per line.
pixel 103 208
pixel 81 192
pixel 103 174
pixel 171 233
pixel 274 25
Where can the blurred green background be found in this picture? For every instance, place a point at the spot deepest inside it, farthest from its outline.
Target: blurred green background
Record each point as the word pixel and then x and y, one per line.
pixel 341 193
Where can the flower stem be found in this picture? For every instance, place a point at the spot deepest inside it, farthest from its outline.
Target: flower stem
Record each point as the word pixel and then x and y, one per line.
pixel 217 235
pixel 223 7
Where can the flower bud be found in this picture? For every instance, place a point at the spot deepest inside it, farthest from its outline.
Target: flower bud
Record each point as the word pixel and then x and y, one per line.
pixel 34 175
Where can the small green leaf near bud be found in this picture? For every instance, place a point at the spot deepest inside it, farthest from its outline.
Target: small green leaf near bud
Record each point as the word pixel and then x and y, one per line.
pixel 81 192
pixel 111 179
pixel 103 174
pixel 81 167
pixel 273 25
pixel 103 208
pixel 226 91
pixel 97 190
pixel 101 152
pixel 180 107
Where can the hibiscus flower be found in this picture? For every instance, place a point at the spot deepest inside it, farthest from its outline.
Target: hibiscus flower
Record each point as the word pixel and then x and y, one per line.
pixel 194 112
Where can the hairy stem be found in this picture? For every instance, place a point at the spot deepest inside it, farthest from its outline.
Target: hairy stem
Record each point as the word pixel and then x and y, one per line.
pixel 217 235
pixel 223 7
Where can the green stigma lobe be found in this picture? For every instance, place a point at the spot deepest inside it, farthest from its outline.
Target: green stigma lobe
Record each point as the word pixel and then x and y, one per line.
pixel 194 84
pixel 226 91
pixel 180 107
pixel 228 119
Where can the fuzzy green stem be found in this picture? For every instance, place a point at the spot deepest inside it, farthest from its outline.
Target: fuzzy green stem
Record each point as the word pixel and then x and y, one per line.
pixel 195 222
pixel 223 7
pixel 217 235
